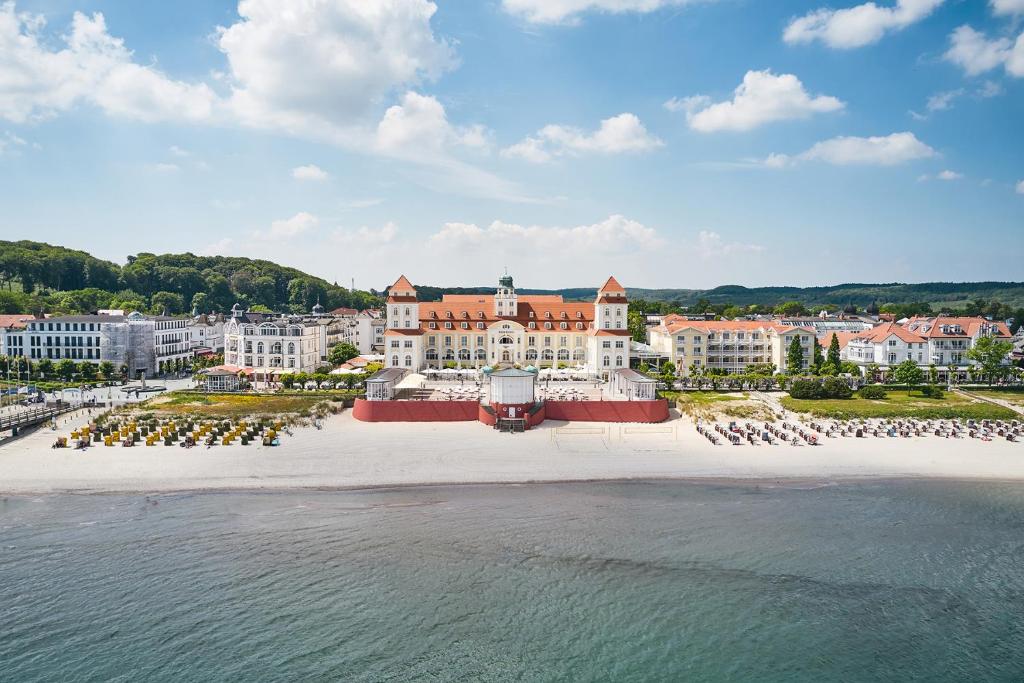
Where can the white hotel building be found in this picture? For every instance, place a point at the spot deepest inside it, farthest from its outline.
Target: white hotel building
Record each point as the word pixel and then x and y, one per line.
pixel 505 329
pixel 728 346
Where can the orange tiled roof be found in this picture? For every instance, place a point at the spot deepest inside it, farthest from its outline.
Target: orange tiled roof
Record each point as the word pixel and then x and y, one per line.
pixel 17 320
pixel 932 327
pixel 611 285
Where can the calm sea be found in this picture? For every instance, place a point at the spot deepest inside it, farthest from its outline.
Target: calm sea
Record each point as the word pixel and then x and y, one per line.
pixel 617 582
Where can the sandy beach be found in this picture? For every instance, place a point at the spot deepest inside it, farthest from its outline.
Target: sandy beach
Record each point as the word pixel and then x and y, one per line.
pixel 347 453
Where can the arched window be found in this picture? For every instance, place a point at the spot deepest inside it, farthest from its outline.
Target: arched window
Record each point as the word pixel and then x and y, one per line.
pixel 431 354
pixel 606 361
pixel 564 326
pixel 531 354
pixel 563 354
pixel 548 354
pixel 463 354
pixel 579 326
pixel 291 347
pixel 275 348
pixel 449 354
pixel 505 340
pixel 579 355
pixel 618 361
pixel 481 354
pixel 259 348
pixel 394 361
pixel 408 361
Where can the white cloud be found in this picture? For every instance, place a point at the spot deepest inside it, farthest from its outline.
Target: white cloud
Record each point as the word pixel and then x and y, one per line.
pixel 615 234
pixel 616 135
pixel 221 247
pixel 857 26
pixel 1007 7
pixel 889 150
pixel 761 98
pixel 309 172
pixel 710 245
pixel 10 142
pixel 290 227
pixel 164 168
pixel 559 11
pixel 989 89
pixel 943 100
pixel 1020 187
pixel 975 53
pixel 366 236
pixel 326 64
pixel 419 126
pixel 949 175
pixel 92 67
pixel 178 151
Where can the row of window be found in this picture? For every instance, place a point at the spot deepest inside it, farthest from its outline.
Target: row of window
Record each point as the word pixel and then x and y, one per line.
pixel 66 327
pixel 68 341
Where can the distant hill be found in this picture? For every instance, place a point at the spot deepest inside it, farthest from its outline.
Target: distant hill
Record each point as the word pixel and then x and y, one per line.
pixel 42 277
pixel 937 294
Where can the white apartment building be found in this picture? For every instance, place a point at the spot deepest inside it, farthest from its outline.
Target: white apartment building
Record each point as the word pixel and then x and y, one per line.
pixel 145 345
pixel 206 331
pixel 939 341
pixel 12 334
pixel 274 345
pixel 728 346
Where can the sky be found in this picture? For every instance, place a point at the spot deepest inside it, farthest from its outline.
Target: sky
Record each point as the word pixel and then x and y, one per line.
pixel 671 143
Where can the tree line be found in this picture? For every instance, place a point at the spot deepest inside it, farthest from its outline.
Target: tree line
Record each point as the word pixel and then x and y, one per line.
pixel 43 278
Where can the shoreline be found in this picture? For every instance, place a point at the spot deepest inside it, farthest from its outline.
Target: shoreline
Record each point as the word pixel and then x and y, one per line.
pixel 784 482
pixel 348 455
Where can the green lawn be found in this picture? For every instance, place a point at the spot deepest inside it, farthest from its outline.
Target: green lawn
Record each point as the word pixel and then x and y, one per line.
pixel 900 403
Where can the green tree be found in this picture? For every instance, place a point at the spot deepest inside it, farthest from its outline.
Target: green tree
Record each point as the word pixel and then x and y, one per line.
pixel 87 371
pixel 668 372
pixel 637 322
pixel 791 308
pixel 201 302
pixel 907 373
pixel 339 353
pixel 45 367
pixel 107 370
pixel 169 303
pixel 990 353
pixel 732 312
pixel 819 358
pixel 795 357
pixel 833 353
pixel 66 369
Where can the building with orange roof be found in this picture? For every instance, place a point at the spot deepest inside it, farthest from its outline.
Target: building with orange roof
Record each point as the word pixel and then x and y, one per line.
pixel 507 329
pixel 729 346
pixel 941 342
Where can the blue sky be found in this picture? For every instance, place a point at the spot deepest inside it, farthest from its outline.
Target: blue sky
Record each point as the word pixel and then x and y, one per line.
pixel 672 143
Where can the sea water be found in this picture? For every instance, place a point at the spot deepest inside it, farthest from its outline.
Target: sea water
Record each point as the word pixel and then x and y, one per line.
pixel 659 581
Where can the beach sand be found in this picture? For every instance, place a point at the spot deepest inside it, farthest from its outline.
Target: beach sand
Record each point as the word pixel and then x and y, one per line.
pixel 347 453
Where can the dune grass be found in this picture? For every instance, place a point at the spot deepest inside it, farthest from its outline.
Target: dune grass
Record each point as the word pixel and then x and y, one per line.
pixel 238 405
pixel 900 404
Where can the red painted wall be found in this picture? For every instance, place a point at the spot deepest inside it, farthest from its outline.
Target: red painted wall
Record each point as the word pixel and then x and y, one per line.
pixel 607 411
pixel 415 411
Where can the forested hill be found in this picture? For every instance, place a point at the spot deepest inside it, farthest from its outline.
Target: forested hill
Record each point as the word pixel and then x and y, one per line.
pixel 37 277
pixel 939 295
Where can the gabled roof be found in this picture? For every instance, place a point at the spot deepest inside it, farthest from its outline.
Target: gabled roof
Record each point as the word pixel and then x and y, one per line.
pixel 611 285
pixel 402 284
pixel 15 320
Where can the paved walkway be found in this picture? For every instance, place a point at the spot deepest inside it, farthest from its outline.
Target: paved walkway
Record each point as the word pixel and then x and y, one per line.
pixel 994 401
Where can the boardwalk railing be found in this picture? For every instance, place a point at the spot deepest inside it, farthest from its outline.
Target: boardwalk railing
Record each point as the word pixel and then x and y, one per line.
pixel 34 416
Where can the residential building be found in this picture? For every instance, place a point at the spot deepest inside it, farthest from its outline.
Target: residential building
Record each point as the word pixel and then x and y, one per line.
pixel 206 331
pixel 273 344
pixel 12 334
pixel 728 346
pixel 506 329
pixel 942 342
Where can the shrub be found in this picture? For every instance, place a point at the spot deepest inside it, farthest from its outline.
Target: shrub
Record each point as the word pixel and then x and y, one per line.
pixel 836 387
pixel 932 391
pixel 872 391
pixel 806 389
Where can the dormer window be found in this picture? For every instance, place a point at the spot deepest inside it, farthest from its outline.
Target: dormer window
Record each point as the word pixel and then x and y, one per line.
pixel 548 315
pixel 448 314
pixel 433 314
pixel 579 326
pixel 479 326
pixel 547 326
pixel 447 326
pixel 532 326
pixel 564 315
pixel 565 326
pixel 465 314
pixel 432 326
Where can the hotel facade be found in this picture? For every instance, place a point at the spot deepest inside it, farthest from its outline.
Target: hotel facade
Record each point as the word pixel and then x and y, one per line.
pixel 505 329
pixel 728 346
